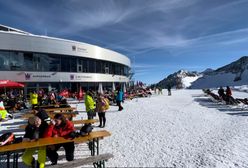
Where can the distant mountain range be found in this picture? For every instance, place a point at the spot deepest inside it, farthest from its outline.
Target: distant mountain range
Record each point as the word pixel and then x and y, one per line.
pixel 233 74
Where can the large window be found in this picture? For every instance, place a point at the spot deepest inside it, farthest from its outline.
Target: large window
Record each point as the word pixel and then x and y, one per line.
pixel 65 64
pixel 92 66
pixel 85 65
pixel 16 61
pixel 99 66
pixel 4 60
pixel 27 61
pixel 54 63
pixel 73 63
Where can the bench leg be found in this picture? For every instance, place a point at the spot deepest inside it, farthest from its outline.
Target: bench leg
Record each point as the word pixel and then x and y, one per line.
pixel 100 164
pixel 15 160
pixel 92 147
pixel 8 158
pixel 97 146
pixel 96 150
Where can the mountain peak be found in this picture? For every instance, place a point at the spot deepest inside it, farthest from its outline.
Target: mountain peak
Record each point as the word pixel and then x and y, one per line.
pixel 179 79
pixel 208 70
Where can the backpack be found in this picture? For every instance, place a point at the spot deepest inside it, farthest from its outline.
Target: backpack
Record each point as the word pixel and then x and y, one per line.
pixel 7 138
pixel 43 115
pixel 86 129
pixel 106 102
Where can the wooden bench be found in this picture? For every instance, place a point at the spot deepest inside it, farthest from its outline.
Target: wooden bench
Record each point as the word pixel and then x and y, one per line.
pixel 67 115
pixel 91 121
pixel 14 149
pixel 51 106
pixel 97 161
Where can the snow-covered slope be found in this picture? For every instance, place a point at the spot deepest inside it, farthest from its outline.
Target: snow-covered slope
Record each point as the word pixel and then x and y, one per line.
pixel 188 80
pixel 233 74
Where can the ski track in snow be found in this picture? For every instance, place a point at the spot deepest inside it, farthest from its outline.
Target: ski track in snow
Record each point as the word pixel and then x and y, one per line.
pixel 182 130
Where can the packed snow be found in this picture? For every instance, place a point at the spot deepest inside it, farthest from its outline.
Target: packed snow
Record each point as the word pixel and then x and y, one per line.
pixel 186 129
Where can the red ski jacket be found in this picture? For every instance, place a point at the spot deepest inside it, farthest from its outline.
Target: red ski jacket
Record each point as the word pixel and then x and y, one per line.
pixel 52 130
pixel 228 92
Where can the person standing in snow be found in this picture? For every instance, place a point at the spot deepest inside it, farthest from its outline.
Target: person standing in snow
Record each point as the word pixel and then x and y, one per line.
pixel 160 90
pixel 34 99
pixel 169 90
pixel 119 98
pixel 90 105
pixel 102 105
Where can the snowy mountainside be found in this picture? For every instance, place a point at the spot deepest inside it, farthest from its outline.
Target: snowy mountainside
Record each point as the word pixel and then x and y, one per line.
pixel 180 79
pixel 233 74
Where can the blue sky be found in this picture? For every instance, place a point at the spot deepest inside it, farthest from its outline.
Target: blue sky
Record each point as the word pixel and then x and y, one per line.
pixel 159 36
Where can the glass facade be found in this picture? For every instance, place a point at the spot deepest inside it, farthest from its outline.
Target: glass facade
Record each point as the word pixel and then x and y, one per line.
pixel 28 61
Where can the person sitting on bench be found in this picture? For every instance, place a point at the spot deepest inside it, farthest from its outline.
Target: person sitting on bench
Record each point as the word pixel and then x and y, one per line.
pixel 229 98
pixel 60 127
pixel 33 131
pixel 3 112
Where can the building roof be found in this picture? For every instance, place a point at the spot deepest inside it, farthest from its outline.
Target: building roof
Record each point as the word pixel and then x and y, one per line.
pixel 10 29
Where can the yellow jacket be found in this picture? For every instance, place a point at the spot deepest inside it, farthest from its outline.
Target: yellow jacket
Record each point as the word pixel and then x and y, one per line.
pixel 3 114
pixel 89 103
pixel 34 98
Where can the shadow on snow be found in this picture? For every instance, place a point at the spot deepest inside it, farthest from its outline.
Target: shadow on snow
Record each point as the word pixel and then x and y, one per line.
pixel 228 109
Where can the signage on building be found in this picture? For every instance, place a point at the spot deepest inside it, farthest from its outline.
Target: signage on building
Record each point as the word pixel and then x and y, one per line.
pixel 79 49
pixel 72 77
pixel 29 76
pixel 79 77
pixel 73 48
pixel 83 50
pixel 60 77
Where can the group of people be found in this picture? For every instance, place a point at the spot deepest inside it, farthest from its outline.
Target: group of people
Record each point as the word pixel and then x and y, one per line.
pixel 100 104
pixel 40 97
pixel 61 127
pixel 39 128
pixel 158 90
pixel 14 100
pixel 226 95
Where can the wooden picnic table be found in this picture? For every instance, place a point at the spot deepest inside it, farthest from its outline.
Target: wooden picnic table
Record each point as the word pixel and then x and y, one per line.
pixel 56 109
pixel 61 109
pixel 15 148
pixel 91 121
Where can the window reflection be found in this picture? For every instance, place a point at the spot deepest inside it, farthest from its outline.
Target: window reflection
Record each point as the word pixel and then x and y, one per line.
pixel 27 61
